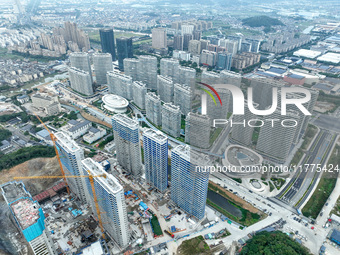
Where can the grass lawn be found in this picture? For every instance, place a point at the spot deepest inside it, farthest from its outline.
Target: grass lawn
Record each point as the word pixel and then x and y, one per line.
pixel 196 245
pixel 155 226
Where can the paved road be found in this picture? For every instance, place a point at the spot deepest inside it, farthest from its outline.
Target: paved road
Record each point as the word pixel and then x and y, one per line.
pixel 328 122
pixel 305 175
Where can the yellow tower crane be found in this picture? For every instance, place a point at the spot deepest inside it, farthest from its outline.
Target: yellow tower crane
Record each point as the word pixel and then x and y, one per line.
pixel 90 176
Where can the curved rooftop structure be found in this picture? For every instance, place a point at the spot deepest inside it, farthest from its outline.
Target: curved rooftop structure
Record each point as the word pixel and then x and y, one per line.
pixel 115 103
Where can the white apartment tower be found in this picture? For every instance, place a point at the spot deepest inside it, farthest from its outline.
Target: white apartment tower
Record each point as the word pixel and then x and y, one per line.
pixel 126 136
pixel 138 93
pixel 71 156
pixel 111 203
pixel 81 81
pixel 120 84
pixel 153 108
pixel 197 130
pixel 171 119
pixel 182 97
pixel 165 88
pixel 102 64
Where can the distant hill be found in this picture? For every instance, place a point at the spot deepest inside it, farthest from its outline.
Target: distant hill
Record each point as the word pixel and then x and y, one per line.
pixel 259 21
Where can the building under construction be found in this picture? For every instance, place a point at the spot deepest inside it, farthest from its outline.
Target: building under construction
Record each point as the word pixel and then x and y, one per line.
pixel 29 217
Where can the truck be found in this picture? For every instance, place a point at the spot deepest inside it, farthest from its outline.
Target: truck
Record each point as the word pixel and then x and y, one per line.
pixel 299 211
pixel 169 233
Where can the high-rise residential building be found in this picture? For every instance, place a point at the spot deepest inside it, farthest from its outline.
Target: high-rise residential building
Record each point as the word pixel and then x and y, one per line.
pixel 171 119
pixel 210 77
pixel 29 217
pixel 178 42
pixel 208 58
pixel 81 60
pixel 303 120
pixel 71 33
pixel 155 145
pixel 124 50
pixel 187 29
pixel 204 44
pixel 236 38
pixel 126 135
pixel 165 88
pixel 186 75
pixel 153 108
pixel 255 45
pixel 310 108
pixel 159 40
pixel 102 64
pixel 189 186
pixel 111 203
pixel 80 81
pixel 71 156
pixel 218 111
pixel 120 84
pixel 182 97
pixel 131 67
pixel 181 55
pixel 197 35
pixel 245 47
pixel 263 91
pixel 169 67
pixel 147 71
pixel 186 39
pixel 276 142
pixel 240 133
pixel 197 130
pixel 195 47
pixel 214 39
pixel 138 93
pixel 108 42
pixel 232 47
pixel 224 61
pixel 230 77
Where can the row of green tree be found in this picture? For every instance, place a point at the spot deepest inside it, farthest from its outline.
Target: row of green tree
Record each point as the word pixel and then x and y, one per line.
pixel 15 158
pixel 273 243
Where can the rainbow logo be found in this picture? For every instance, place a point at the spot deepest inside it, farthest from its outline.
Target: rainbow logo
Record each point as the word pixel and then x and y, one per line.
pixel 209 93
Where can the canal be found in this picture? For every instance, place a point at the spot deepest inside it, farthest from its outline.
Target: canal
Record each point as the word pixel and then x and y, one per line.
pixel 224 203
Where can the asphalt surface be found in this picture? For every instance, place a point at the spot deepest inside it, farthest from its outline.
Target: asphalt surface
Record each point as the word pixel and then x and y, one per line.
pixel 328 122
pixel 305 174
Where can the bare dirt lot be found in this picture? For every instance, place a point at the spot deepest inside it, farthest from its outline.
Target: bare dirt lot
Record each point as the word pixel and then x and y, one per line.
pixel 33 167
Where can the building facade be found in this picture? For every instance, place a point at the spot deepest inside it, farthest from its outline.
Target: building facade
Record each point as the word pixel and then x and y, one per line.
pixel 155 145
pixel 197 130
pixel 102 64
pixel 107 42
pixel 189 187
pixel 120 84
pixel 126 136
pixel 124 50
pixel 138 93
pixel 165 88
pixel 153 108
pixel 81 81
pixel 71 156
pixel 111 203
pixel 171 119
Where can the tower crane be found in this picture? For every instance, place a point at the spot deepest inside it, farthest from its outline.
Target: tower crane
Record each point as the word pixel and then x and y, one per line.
pixel 90 176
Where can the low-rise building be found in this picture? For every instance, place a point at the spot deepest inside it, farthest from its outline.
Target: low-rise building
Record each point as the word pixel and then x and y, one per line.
pixel 76 129
pixel 94 134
